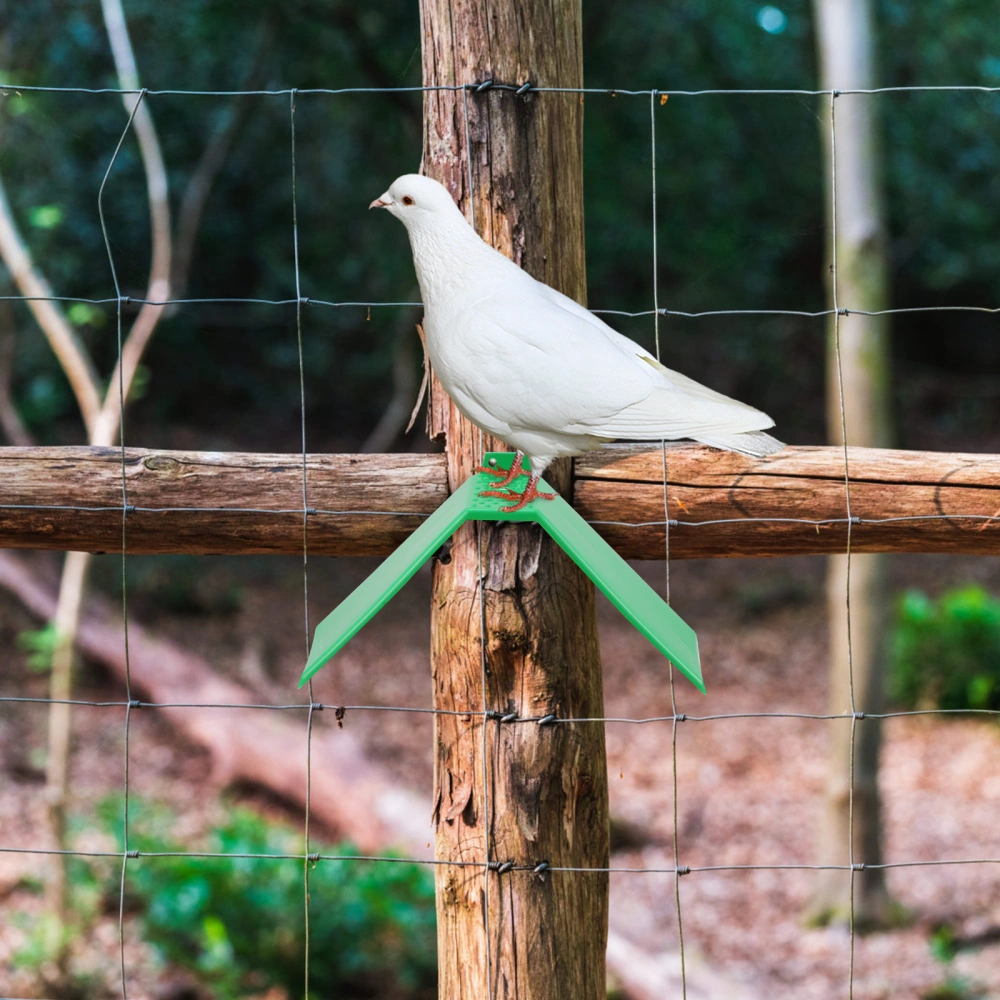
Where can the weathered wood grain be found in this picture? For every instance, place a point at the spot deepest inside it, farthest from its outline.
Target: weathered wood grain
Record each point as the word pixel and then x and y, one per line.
pixel 622 483
pixel 539 795
pixel 625 484
pixel 238 493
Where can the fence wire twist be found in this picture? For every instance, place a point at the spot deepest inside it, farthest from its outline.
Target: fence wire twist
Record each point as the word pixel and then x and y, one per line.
pixel 311 706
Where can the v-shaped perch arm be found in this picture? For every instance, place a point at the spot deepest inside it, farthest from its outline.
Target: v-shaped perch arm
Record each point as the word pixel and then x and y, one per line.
pixel 626 590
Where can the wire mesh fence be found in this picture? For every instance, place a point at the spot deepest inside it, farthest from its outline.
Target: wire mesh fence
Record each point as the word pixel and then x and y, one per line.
pixel 488 719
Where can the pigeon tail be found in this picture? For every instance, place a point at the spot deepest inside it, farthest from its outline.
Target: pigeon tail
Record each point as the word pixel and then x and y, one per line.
pixel 756 444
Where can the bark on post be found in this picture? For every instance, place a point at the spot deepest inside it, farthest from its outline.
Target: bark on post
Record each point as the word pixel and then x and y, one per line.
pixel 546 794
pixel 846 57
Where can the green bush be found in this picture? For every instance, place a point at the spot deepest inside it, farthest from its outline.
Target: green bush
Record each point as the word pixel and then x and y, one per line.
pixel 946 653
pixel 239 923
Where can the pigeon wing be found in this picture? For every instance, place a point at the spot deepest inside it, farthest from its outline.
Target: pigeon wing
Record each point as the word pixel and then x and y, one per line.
pixel 569 372
pixel 559 370
pixel 676 406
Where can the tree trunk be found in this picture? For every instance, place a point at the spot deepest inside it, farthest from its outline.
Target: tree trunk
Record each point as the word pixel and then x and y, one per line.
pixel 545 798
pixel 65 624
pixel 859 378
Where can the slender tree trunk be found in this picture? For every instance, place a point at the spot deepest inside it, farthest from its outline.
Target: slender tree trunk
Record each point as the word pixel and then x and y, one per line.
pixel 545 795
pixel 65 624
pixel 861 378
pixel 103 429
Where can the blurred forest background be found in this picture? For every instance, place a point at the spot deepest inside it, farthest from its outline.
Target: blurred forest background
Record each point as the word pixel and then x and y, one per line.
pixel 740 208
pixel 741 216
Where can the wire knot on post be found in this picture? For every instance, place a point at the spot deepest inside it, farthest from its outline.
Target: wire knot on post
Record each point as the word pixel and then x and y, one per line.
pixel 547 720
pixel 497 716
pixel 483 87
pixel 500 867
pixel 523 89
pixel 541 868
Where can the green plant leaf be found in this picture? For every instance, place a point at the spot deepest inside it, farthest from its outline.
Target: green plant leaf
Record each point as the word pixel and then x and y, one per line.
pixel 40 646
pixel 942 943
pixel 46 216
pixel 238 922
pixel 85 314
pixel 945 653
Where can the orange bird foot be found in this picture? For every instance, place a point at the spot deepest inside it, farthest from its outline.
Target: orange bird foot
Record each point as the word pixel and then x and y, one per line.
pixel 523 499
pixel 506 477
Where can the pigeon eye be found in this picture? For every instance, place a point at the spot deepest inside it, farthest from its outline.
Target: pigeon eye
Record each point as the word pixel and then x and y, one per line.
pixel 407 200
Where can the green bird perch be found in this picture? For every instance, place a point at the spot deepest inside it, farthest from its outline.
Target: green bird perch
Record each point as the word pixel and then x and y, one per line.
pixel 626 590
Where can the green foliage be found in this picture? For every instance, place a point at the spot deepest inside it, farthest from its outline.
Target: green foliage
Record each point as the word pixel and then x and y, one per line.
pixel 955 988
pixel 46 938
pixel 946 653
pixel 40 645
pixel 944 946
pixel 740 196
pixel 239 923
pixel 46 216
pixel 85 314
pixel 942 943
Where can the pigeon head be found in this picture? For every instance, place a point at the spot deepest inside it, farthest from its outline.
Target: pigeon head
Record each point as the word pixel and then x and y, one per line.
pixel 418 201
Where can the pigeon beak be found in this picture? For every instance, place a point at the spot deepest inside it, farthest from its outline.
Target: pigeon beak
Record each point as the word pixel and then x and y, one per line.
pixel 382 201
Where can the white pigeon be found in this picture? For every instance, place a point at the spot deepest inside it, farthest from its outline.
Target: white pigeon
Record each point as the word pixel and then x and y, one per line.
pixel 537 370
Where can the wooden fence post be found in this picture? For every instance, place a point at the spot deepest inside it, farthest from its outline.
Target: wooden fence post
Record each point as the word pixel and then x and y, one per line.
pixel 516 933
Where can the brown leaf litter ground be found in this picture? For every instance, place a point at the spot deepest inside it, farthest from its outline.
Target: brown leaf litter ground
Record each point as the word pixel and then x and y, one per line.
pixel 749 790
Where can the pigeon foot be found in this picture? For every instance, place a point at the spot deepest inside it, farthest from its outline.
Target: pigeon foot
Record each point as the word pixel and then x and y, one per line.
pixel 530 493
pixel 506 477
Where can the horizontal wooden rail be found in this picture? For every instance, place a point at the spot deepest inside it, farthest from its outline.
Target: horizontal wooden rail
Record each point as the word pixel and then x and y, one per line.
pixel 218 502
pixel 245 503
pixel 952 499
